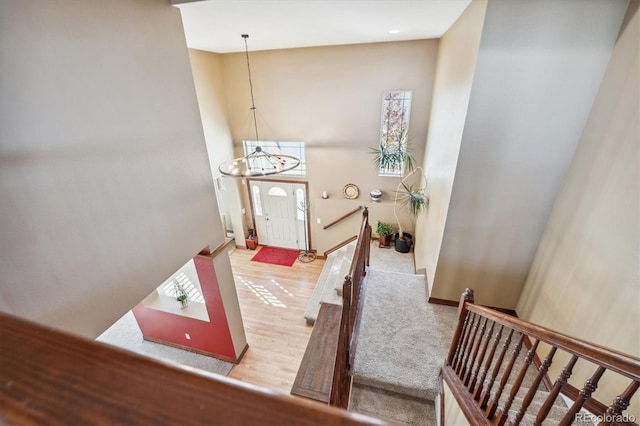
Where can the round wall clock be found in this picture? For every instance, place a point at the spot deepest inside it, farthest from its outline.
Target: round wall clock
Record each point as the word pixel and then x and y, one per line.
pixel 350 191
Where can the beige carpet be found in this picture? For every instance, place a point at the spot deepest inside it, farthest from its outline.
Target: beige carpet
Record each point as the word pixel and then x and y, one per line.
pixel 392 406
pixel 126 334
pixel 388 259
pixel 403 340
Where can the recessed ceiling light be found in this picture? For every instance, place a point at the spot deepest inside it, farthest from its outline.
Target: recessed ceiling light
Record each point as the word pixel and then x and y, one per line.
pixel 394 31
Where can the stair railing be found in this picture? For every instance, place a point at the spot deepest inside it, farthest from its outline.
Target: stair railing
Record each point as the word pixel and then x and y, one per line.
pixel 343 217
pixel 352 290
pixel 51 377
pixel 340 245
pixel 478 370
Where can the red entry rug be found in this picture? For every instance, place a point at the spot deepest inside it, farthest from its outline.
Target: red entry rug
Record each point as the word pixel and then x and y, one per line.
pixel 276 256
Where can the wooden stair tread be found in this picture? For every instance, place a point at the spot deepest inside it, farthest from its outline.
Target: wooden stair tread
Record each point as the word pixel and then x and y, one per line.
pixel 315 374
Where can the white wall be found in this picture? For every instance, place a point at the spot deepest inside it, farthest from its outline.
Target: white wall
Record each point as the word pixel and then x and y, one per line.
pixel 585 279
pixel 537 73
pixel 457 54
pixel 104 178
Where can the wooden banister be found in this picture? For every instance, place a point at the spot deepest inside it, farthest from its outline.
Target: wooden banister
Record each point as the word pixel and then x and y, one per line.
pixel 555 391
pixel 468 342
pixel 467 297
pixel 620 403
pixel 466 370
pixel 493 406
pixel 352 290
pixel 343 217
pixel 484 401
pixel 340 245
pixel 358 271
pixel 474 415
pixel 621 363
pixel 51 377
pixel 341 384
pixel 534 386
pixel 476 373
pixel 589 388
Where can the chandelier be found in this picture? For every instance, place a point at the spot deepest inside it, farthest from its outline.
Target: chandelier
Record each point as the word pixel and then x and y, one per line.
pixel 259 162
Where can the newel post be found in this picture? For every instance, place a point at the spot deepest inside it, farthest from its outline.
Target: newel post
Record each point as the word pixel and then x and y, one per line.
pixel 467 297
pixel 367 240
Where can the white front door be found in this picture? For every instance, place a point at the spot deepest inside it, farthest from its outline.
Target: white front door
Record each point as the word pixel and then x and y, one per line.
pixel 278 221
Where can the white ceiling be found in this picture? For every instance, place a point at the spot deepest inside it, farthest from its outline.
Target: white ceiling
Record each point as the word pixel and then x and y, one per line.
pixel 217 25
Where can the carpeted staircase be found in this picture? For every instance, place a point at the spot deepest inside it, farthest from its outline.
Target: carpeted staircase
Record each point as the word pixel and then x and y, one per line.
pixel 403 342
pixel 403 339
pixel 398 359
pixel 329 286
pixel 401 347
pixel 559 407
pixel 336 267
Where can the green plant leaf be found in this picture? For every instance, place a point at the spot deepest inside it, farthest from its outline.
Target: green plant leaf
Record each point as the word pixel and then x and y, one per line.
pixel 384 228
pixel 414 199
pixel 394 155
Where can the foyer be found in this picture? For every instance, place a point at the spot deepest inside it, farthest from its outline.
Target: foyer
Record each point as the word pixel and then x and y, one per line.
pixel 278 336
pixel 524 118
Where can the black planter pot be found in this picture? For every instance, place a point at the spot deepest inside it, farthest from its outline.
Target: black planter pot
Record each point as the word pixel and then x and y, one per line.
pixel 403 245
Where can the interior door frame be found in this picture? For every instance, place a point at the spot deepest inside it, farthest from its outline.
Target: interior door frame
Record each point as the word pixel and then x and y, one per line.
pixel 306 199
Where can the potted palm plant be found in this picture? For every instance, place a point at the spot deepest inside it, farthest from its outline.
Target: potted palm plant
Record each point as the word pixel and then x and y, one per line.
pixel 416 201
pixel 385 231
pixel 393 156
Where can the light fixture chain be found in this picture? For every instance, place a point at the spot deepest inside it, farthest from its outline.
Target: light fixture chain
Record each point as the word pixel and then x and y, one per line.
pixel 259 162
pixel 253 104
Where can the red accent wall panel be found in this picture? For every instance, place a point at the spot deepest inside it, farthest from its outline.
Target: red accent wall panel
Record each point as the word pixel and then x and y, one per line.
pixel 211 337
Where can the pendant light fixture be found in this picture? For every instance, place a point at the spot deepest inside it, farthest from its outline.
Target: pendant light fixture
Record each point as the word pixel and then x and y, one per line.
pixel 259 162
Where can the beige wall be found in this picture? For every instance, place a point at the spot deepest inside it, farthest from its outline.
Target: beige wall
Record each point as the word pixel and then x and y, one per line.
pixel 537 73
pixel 456 64
pixel 207 76
pixel 330 98
pixel 585 278
pixel 210 88
pixel 453 415
pixel 229 296
pixel 104 178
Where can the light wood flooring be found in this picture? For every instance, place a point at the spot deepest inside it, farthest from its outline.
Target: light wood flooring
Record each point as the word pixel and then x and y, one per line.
pixel 272 301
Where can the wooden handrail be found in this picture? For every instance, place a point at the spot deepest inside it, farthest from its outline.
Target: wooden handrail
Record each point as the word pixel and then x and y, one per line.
pixel 340 245
pixel 352 289
pixel 343 217
pixel 357 271
pixel 341 382
pixel 463 362
pixel 51 377
pixel 475 416
pixel 621 363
